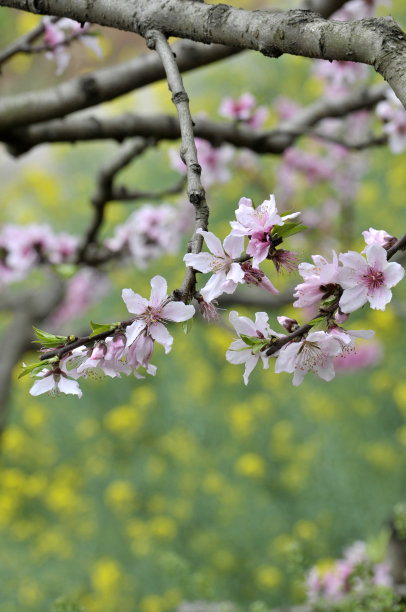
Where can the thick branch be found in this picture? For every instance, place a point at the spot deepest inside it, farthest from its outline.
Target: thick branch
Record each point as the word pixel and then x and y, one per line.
pixel 167 127
pixel 378 42
pixel 102 85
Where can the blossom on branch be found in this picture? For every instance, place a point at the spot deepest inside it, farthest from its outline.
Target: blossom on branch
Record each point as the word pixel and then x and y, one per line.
pixel 367 280
pixel 58 35
pixel 54 382
pixel 152 315
pixel 244 110
pixel 253 338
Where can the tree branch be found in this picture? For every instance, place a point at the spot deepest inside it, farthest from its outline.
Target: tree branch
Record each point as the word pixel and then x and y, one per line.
pixel 166 127
pixel 22 44
pixel 378 42
pixel 188 153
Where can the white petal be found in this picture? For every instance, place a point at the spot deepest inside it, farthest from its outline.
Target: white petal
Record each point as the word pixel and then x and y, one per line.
pixel 159 291
pixel 200 261
pixel 249 366
pixel 353 298
pixel 379 298
pixel 286 360
pixel 43 385
pixel 236 273
pixel 158 332
pixel 242 325
pixel 213 243
pixel 393 273
pixel 214 286
pixel 66 385
pixel 177 311
pixel 352 259
pixel 234 245
pixel 376 256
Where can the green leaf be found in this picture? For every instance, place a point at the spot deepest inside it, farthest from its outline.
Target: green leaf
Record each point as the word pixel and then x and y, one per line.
pixel 187 326
pixel 34 368
pixel 259 347
pixel 100 328
pixel 66 270
pixel 48 340
pixel 317 320
pixel 251 341
pixel 287 229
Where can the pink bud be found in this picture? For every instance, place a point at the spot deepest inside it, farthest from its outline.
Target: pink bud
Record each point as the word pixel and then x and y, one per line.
pixel 116 346
pixel 99 350
pixel 289 324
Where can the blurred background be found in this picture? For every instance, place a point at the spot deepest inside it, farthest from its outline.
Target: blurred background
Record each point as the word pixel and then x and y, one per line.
pixel 189 485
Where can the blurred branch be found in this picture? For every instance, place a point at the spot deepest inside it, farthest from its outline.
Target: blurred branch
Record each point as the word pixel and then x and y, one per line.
pixel 325 8
pixel 101 85
pixel 167 126
pixel 23 43
pixel 29 308
pixel 104 190
pixel 257 298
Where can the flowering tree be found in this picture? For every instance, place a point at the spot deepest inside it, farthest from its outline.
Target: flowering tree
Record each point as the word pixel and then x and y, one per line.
pixel 351 115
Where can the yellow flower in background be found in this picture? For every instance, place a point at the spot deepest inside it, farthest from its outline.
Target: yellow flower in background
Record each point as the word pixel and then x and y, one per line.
pixel 268 577
pixel 124 421
pixel 163 527
pixel 251 465
pixel 152 603
pixel 120 496
pixel 106 575
pixel 241 420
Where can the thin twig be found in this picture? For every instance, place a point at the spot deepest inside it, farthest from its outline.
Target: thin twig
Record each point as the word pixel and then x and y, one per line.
pixel 196 193
pixel 23 44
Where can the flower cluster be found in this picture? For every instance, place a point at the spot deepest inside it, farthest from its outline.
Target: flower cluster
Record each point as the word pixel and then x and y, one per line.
pixel 213 160
pixel 265 229
pixel 59 34
pixel 149 233
pixel 117 349
pixel 393 115
pixel 355 572
pixel 244 109
pixel 334 290
pixel 22 248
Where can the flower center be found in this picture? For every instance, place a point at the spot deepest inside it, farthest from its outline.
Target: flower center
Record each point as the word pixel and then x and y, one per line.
pixel 310 357
pixel 373 279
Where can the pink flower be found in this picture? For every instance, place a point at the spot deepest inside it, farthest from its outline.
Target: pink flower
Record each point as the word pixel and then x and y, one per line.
pixel 241 352
pixel 313 354
pixel 358 9
pixel 56 37
pixel 367 280
pixel 243 110
pixel 339 75
pixel 318 277
pixel 213 161
pixel 255 276
pixel 55 381
pixel 140 353
pixel 379 236
pixel 257 223
pixel 226 273
pixel 101 362
pixel 151 316
pixel 393 114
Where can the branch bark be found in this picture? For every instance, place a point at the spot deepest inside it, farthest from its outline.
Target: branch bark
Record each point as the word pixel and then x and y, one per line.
pixel 378 42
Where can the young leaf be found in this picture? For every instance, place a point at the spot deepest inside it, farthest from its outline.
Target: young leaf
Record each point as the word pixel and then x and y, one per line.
pixel 287 229
pixel 48 340
pixel 99 328
pixel 33 368
pixel 250 340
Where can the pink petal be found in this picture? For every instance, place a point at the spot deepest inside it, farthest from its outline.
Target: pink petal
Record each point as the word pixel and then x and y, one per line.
pixel 134 330
pixel 177 311
pixel 213 243
pixel 134 302
pixel 159 291
pixel 159 333
pixel 352 259
pixel 287 358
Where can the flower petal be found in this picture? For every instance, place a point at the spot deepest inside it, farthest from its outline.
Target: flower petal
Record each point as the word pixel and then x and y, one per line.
pixel 353 298
pixel 213 243
pixel 380 297
pixel 134 330
pixel 214 286
pixel 200 261
pixel 233 245
pixel 177 311
pixel 393 273
pixel 69 386
pixel 242 325
pixel 43 385
pixel 134 302
pixel 159 291
pixel 158 332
